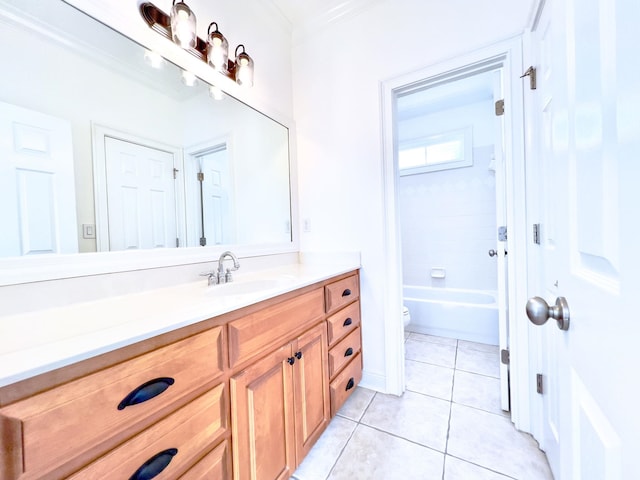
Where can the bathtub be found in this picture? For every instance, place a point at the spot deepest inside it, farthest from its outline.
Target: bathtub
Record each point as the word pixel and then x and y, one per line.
pixel 447 312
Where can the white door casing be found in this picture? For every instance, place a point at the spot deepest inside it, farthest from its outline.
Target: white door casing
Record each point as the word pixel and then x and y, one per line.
pixel 505 55
pixel 37 185
pixel 590 132
pixel 542 212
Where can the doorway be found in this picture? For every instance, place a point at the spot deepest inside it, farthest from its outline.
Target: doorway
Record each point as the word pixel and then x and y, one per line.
pixel 451 195
pixel 498 58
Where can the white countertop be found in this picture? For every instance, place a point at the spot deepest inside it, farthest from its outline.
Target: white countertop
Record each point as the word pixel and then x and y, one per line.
pixel 41 341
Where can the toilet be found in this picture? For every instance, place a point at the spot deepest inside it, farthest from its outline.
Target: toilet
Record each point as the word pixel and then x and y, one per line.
pixel 406 316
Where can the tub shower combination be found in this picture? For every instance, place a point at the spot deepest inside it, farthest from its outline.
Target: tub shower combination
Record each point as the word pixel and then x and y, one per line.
pixel 447 312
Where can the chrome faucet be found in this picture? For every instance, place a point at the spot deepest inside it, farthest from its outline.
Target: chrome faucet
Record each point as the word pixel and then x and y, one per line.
pixel 227 277
pixel 219 276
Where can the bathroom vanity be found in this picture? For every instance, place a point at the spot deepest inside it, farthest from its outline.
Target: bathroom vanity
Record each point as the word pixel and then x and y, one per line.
pixel 242 392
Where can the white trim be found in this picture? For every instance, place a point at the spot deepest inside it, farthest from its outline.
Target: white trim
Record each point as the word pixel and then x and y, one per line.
pixel 508 55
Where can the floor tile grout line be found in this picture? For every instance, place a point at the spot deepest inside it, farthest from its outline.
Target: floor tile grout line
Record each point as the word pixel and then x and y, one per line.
pixel 395 435
pixel 446 441
pixel 342 451
pixel 483 467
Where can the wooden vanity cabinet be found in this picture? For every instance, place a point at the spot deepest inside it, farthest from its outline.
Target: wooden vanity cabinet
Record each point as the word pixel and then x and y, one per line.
pixel 280 406
pixel 342 303
pixel 53 433
pixel 244 395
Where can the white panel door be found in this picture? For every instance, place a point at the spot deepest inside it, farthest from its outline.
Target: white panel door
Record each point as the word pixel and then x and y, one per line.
pixel 217 195
pixel 37 186
pixel 589 139
pixel 501 220
pixel 141 198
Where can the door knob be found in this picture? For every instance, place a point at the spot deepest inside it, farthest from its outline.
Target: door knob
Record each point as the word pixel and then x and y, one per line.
pixel 539 311
pixel 492 253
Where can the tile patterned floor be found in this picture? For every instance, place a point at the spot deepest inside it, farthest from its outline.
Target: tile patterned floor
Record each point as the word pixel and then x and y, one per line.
pixel 448 425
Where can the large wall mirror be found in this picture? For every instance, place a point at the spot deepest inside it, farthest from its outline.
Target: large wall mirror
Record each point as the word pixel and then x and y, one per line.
pixel 104 147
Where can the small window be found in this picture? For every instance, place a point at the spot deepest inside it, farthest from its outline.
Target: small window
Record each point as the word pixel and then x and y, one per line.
pixel 436 152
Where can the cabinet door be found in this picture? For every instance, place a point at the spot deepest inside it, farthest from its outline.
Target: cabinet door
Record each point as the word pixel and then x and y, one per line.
pixel 311 389
pixel 262 419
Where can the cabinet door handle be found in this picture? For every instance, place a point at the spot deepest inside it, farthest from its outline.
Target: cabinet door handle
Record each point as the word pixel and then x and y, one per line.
pixel 346 292
pixel 347 322
pixel 155 465
pixel 146 391
pixel 349 352
pixel 298 355
pixel 291 360
pixel 350 384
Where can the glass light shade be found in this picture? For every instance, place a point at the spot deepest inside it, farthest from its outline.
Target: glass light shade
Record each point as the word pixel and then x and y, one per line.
pixel 183 25
pixel 189 79
pixel 153 59
pixel 217 50
pixel 244 68
pixel 216 93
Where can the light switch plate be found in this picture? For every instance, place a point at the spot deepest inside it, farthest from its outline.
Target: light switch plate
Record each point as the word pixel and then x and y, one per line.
pixel 88 231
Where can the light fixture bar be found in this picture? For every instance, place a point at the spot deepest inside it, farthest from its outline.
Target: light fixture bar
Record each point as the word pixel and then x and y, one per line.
pixel 160 22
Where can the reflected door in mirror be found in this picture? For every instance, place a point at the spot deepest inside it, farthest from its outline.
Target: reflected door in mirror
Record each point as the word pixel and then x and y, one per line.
pixel 37 187
pixel 140 195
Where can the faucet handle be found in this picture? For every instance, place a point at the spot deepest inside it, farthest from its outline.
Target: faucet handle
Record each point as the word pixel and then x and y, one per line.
pixel 228 277
pixel 212 278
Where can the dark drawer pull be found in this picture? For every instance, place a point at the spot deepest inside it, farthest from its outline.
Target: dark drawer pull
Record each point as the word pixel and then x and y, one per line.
pixel 291 360
pixel 347 322
pixel 350 384
pixel 146 391
pixel 346 293
pixel 155 465
pixel 349 352
pixel 298 355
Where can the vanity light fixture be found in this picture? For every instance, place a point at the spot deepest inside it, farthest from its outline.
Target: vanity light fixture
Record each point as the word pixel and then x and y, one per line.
pixel 180 27
pixel 244 68
pixel 217 50
pixel 153 59
pixel 183 25
pixel 216 93
pixel 189 79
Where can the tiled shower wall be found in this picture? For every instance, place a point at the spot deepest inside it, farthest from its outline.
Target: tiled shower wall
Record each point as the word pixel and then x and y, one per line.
pixel 448 218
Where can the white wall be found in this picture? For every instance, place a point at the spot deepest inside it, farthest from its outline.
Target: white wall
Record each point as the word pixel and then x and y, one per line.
pixel 448 217
pixel 336 77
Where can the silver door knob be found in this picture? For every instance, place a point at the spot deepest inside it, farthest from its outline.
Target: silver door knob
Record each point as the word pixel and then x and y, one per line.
pixel 539 311
pixel 492 253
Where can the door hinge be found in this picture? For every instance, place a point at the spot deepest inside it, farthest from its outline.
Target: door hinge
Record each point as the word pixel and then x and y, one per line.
pixel 177 242
pixel 531 73
pixel 499 108
pixel 502 234
pixel 200 177
pixel 175 173
pixel 536 233
pixel 505 358
pixel 539 384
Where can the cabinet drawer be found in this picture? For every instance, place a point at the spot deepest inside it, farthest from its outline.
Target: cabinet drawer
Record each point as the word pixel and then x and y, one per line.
pixel 268 328
pixel 344 322
pixel 178 439
pixel 344 352
pixel 89 414
pixel 216 465
pixel 338 294
pixel 345 383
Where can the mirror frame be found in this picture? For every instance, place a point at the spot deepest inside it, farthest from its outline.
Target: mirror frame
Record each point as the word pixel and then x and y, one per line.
pixel 19 270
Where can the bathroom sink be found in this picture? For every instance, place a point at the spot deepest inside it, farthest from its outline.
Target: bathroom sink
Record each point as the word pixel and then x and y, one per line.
pixel 245 287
